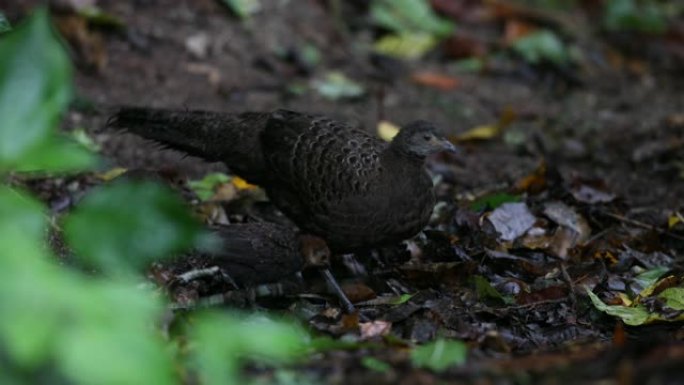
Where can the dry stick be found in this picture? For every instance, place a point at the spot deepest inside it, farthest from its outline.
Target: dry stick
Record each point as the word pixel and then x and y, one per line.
pixel 644 226
pixel 570 283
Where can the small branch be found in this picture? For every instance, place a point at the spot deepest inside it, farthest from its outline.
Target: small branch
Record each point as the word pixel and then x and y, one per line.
pixel 643 225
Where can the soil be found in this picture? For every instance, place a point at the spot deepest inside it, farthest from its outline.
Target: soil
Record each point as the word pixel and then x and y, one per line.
pixel 621 127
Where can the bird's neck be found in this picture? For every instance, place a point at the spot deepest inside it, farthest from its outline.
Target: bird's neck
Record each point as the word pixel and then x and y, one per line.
pixel 400 155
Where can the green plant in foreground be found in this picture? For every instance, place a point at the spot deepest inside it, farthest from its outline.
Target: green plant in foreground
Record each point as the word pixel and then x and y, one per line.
pixel 62 325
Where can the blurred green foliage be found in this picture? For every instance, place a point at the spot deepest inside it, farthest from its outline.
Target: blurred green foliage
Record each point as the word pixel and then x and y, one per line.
pixel 439 355
pixel 243 8
pixel 409 16
pixel 35 89
pixel 4 24
pixel 415 28
pixel 542 46
pixel 60 325
pixel 633 15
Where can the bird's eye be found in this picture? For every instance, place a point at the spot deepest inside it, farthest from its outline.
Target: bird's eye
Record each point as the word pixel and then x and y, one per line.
pixel 427 137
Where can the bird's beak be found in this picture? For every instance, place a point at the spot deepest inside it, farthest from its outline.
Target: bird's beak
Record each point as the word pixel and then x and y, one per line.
pixel 445 144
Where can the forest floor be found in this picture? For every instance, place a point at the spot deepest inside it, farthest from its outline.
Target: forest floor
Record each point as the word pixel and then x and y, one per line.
pixel 590 161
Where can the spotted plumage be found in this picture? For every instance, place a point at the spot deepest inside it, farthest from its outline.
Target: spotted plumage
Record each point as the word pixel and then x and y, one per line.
pixel 332 180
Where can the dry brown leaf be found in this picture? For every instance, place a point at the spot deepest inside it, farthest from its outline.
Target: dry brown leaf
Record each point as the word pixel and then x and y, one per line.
pixel 435 80
pixel 516 29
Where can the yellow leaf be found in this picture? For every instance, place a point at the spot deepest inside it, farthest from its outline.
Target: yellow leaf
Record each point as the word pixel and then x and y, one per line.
pixel 111 174
pixel 409 46
pixel 489 131
pixel 242 184
pixel 625 299
pixel 387 130
pixel 480 133
pixel 673 220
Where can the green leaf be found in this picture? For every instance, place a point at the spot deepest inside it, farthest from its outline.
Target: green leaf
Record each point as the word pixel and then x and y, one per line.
pixel 337 86
pixel 401 299
pixel 4 23
pixel 649 277
pixel 674 297
pixel 375 364
pixel 205 187
pixel 130 224
pixel 80 136
pixel 637 315
pixel 93 354
pixel 97 17
pixel 486 291
pixel 26 289
pixel 102 344
pixel 35 88
pixel 409 46
pixel 471 64
pixel 21 212
pixel 409 16
pixel 440 354
pixel 222 341
pixel 630 15
pixel 243 8
pixel 493 201
pixel 311 55
pixel 542 46
pixel 56 154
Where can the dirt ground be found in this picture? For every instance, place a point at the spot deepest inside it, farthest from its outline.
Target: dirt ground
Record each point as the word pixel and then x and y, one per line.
pixel 622 127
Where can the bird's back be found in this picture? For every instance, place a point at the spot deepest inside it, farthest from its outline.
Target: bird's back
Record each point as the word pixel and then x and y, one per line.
pixel 332 180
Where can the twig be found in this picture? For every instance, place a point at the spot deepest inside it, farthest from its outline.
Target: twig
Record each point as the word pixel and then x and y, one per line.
pixel 643 225
pixel 198 273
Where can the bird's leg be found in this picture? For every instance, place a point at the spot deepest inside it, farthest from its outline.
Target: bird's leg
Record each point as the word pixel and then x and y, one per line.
pixel 317 254
pixel 347 305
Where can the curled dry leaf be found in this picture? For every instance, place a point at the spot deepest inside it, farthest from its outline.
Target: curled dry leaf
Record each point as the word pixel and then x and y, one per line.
pixel 566 216
pixel 512 220
pixel 370 330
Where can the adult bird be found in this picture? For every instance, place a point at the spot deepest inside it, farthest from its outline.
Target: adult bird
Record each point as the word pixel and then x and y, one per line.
pixel 334 181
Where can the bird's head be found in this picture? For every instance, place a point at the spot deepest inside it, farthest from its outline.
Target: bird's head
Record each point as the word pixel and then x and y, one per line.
pixel 420 139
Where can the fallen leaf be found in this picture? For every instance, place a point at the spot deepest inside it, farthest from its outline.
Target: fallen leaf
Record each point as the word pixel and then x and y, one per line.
pixel 208 186
pixel 435 80
pixel 387 130
pixel 492 201
pixel 630 315
pixel 542 46
pixel 335 86
pixel 567 216
pixel 243 8
pixel 591 191
pixel 88 45
pixel 535 182
pixel 516 29
pixel 212 73
pixel 242 184
pixel 463 46
pixel 489 131
pixel 374 329
pixel 111 174
pixel 483 132
pixel 409 16
pixel 410 46
pixel 511 220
